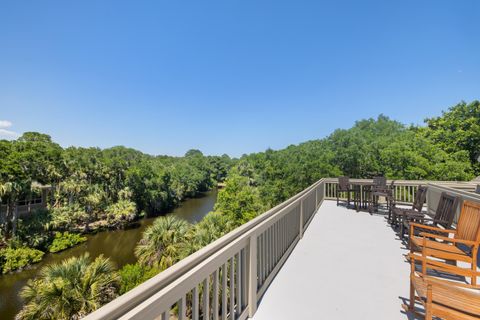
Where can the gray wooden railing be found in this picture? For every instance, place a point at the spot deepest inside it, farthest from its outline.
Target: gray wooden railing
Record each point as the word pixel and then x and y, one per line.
pixel 404 190
pixel 225 279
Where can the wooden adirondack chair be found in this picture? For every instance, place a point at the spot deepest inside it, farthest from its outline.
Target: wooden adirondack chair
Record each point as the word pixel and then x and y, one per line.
pixel 463 246
pixel 344 186
pixel 397 213
pixel 446 209
pixel 442 298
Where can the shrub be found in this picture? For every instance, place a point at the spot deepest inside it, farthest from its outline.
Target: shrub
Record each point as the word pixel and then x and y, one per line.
pixel 13 259
pixel 121 213
pixel 33 229
pixel 65 240
pixel 132 275
pixel 68 217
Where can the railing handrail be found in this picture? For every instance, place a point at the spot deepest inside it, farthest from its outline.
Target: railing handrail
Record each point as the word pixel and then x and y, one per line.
pixel 462 193
pixel 146 290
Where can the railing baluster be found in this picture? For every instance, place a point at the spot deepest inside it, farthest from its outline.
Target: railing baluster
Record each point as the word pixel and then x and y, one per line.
pixel 244 279
pixel 215 295
pixel 224 291
pixel 252 275
pixel 195 303
pixel 182 308
pixel 267 252
pixel 206 298
pixel 270 250
pixel 239 281
pixel 285 234
pixel 261 258
pixel 232 289
pixel 302 219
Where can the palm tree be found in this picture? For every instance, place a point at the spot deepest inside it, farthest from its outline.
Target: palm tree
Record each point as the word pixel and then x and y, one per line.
pixel 213 226
pixel 10 192
pixel 163 242
pixel 70 290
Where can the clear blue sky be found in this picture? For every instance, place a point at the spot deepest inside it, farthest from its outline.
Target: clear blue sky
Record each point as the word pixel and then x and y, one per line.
pixel 229 76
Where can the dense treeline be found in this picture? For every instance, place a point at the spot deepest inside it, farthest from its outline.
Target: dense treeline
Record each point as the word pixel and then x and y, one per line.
pixel 445 149
pixel 90 189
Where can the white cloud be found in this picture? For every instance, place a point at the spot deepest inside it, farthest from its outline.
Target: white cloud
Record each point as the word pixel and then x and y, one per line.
pixel 5 124
pixel 7 134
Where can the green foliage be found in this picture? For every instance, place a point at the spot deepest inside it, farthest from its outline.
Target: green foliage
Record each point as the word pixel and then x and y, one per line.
pixel 162 244
pixel 13 259
pixel 68 217
pixel 132 275
pixel 213 226
pixel 65 240
pixel 33 229
pixel 458 130
pixel 70 290
pixel 121 213
pixel 239 201
pixel 88 182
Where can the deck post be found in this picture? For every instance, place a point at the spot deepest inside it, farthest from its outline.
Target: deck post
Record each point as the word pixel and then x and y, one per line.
pixel 300 233
pixel 252 275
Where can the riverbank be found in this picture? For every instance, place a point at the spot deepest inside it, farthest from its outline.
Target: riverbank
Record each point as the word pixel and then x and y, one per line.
pixel 118 245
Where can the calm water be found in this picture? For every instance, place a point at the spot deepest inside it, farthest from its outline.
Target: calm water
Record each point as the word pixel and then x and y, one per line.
pixel 118 245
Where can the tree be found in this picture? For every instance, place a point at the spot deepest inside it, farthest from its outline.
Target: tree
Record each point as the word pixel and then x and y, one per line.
pixel 213 226
pixel 70 290
pixel 239 201
pixel 163 242
pixel 10 191
pixel 193 153
pixel 456 130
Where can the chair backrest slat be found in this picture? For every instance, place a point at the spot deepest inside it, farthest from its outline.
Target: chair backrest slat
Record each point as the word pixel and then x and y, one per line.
pixel 446 209
pixel 343 183
pixel 468 227
pixel 420 197
pixel 379 183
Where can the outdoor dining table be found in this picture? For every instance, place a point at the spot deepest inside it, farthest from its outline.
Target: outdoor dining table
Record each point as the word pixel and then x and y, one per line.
pixel 362 194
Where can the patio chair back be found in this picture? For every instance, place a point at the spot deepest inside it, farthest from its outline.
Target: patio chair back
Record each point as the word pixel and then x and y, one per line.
pixel 420 197
pixel 379 183
pixel 343 183
pixel 446 209
pixel 468 227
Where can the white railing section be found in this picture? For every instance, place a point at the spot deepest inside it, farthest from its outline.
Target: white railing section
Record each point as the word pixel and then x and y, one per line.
pixel 404 190
pixel 226 279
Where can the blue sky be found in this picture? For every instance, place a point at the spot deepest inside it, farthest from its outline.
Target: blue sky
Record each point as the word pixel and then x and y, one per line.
pixel 229 76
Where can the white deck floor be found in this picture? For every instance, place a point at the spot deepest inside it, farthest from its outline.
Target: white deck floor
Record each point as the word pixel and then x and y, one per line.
pixel 348 265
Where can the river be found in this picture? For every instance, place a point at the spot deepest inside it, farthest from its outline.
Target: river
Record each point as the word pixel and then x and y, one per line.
pixel 118 245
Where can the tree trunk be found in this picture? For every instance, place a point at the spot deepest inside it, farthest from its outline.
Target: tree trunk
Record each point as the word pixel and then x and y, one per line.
pixel 8 220
pixel 14 221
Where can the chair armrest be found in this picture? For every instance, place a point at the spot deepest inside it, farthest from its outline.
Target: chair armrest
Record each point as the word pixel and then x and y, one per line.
pixel 419 225
pixel 413 215
pixel 452 240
